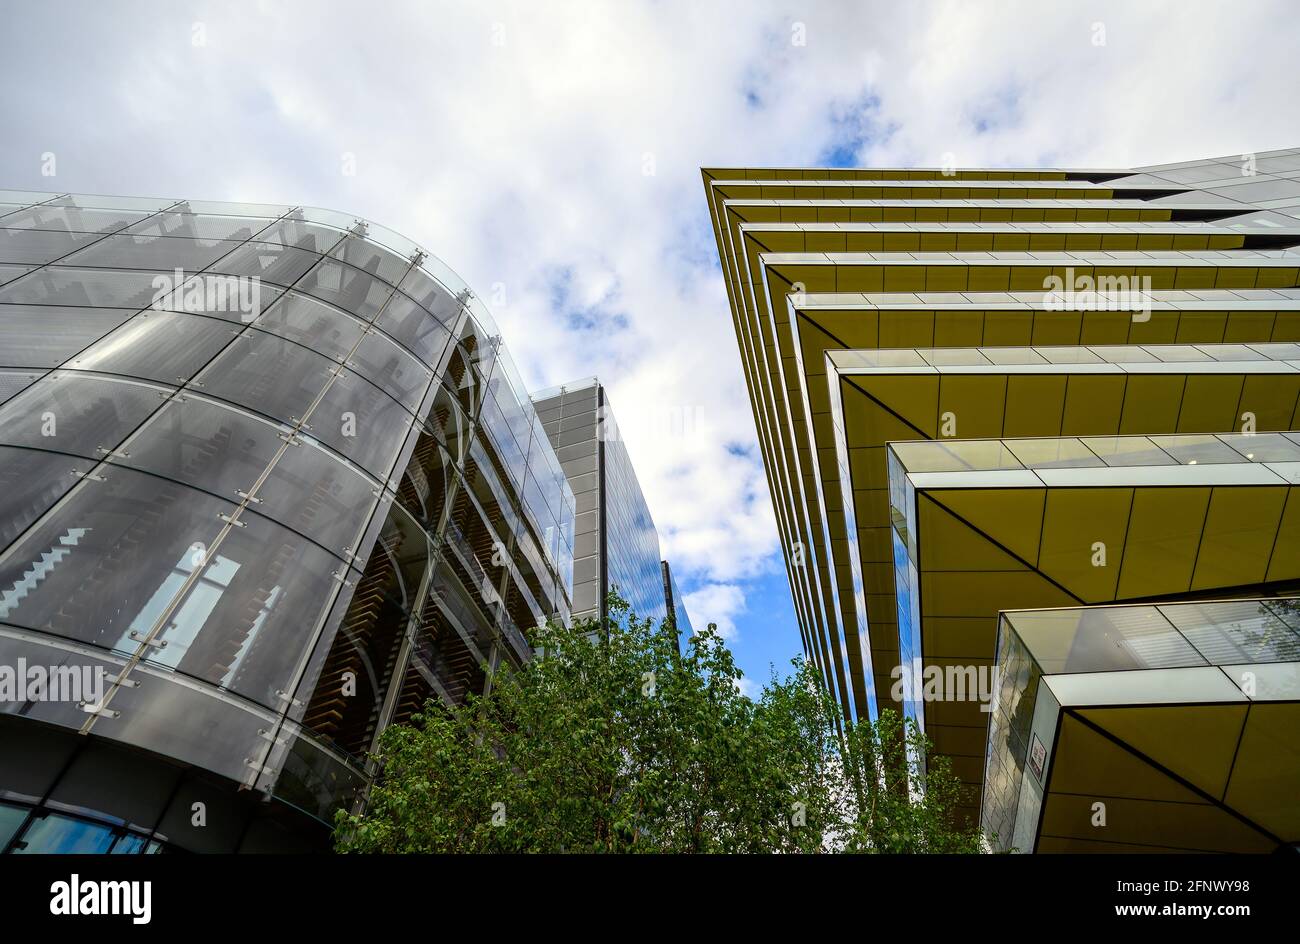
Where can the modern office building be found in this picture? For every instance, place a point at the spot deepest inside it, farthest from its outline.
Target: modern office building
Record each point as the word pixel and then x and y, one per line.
pixel 270 482
pixel 616 544
pixel 1054 310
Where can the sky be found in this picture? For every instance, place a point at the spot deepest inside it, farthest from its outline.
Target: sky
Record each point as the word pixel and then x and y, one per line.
pixel 550 153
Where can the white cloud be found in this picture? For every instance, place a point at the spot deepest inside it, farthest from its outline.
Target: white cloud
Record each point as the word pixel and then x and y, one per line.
pixel 718 603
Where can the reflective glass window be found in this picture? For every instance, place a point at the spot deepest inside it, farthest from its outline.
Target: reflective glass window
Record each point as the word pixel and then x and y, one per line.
pixel 96 288
pixel 363 423
pixel 77 413
pixel 268 374
pixel 165 346
pixel 148 252
pixel 392 369
pixel 37 247
pixel 414 327
pixel 47 335
pixel 65 835
pixel 270 262
pixel 350 289
pixel 312 323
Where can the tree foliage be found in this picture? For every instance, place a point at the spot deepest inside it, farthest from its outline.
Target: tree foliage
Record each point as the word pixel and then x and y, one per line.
pixel 615 742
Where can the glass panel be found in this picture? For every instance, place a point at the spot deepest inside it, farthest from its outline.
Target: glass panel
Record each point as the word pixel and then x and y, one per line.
pixel 317 494
pixel 97 288
pixel 77 413
pixel 96 569
pixel 392 369
pixel 301 235
pixel 14 382
pixel 1053 453
pixel 312 323
pixel 52 834
pixel 1103 639
pixel 410 324
pixel 206 445
pixel 37 247
pixel 368 257
pixel 362 423
pixel 158 345
pixel 200 226
pixel 268 374
pixel 11 820
pixel 267 261
pixel 31 482
pixel 62 219
pixel 445 307
pixel 956 456
pixel 145 252
pixel 1263 447
pixel 1197 450
pixel 348 288
pixel 47 335
pixel 246 622
pixel 1127 450
pixel 1236 632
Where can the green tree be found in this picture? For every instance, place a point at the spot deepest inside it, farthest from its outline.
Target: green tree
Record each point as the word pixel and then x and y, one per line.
pixel 616 742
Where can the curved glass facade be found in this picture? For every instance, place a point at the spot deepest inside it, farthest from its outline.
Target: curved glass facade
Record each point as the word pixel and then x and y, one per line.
pixel 268 472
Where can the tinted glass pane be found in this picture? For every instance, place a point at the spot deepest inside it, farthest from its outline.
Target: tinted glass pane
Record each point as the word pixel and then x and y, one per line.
pixel 65 835
pixel 47 335
pixel 434 298
pixel 77 413
pixel 314 493
pixel 376 260
pixel 102 565
pixel 97 288
pixel 14 382
pixel 158 345
pixel 312 323
pixel 206 445
pixel 200 226
pixel 414 327
pixel 392 369
pixel 351 289
pixel 246 622
pixel 268 261
pixel 268 374
pixel 37 247
pixel 30 483
pixel 71 218
pixel 362 423
pixel 146 252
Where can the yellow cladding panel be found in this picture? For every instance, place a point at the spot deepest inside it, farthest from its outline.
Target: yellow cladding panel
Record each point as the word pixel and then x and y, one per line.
pixel 1011 517
pixel 1239 536
pixel 970 405
pixel 1286 552
pixel 1092 404
pixel 951 544
pixel 1084 530
pixel 1151 403
pixel 1210 404
pixel 1087 763
pixel 1195 742
pixel 912 399
pixel 1270 399
pixel 1034 404
pixel 1164 533
pixel 1264 778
